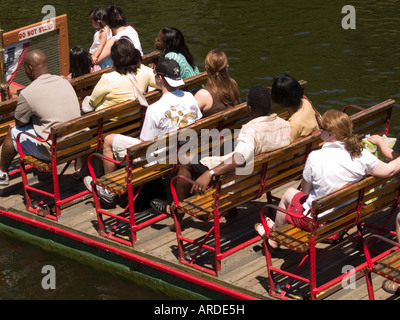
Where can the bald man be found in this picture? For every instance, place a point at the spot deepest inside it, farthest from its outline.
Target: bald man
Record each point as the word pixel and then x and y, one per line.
pixel 47 101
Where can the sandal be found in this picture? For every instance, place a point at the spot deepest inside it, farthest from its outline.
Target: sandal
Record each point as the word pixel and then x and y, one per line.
pixel 161 206
pixel 391 287
pixel 164 207
pixel 262 234
pixel 77 176
pixel 264 237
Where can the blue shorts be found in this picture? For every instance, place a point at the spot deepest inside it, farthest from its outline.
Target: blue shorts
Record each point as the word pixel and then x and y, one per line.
pixel 30 146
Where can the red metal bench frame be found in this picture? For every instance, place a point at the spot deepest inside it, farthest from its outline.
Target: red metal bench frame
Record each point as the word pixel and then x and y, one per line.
pixel 371 261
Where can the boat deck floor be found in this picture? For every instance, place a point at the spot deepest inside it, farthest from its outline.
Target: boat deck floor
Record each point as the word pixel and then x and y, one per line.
pixel 244 271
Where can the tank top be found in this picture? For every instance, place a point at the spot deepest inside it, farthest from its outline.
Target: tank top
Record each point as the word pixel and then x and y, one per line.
pixel 217 105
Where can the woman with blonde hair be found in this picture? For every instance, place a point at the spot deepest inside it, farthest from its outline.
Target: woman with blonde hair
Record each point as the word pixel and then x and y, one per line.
pixel 341 161
pixel 221 91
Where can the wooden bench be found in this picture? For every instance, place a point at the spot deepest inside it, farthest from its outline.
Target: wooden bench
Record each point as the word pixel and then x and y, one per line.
pixel 385 264
pixel 79 138
pixel 351 205
pixel 272 170
pixel 374 120
pixel 131 179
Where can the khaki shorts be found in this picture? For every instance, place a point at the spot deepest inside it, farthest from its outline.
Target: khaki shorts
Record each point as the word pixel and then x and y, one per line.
pixel 121 143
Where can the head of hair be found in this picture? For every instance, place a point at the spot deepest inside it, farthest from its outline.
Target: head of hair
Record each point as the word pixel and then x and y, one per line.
pixel 126 57
pixel 259 100
pixel 341 126
pixel 287 92
pixel 219 83
pixel 80 62
pixel 174 41
pixel 115 17
pixel 99 14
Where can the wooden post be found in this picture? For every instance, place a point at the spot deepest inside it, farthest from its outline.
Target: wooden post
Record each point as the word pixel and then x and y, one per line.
pixel 4 89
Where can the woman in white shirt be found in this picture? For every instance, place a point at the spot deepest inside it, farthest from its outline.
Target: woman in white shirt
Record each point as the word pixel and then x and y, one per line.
pixel 117 23
pixel 341 161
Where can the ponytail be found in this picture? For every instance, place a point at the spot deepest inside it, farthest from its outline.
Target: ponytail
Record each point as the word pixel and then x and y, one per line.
pixel 353 146
pixel 220 84
pixel 115 17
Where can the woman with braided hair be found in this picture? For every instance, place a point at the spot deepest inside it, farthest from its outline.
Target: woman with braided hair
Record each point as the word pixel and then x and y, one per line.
pixel 341 161
pixel 221 91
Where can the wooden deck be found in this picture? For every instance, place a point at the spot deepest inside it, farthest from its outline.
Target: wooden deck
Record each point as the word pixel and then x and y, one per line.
pixel 244 271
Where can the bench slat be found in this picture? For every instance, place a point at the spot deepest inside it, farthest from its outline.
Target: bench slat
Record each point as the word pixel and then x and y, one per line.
pixel 389 266
pixel 292 237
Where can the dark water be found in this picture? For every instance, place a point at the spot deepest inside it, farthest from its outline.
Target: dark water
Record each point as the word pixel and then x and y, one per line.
pixel 262 40
pixel 23 276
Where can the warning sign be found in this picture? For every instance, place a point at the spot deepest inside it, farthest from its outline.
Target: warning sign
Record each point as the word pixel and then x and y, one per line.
pixel 36 31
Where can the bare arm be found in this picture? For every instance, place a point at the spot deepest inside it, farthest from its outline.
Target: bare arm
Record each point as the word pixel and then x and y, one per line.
pixel 107 50
pixel 385 149
pixel 204 99
pixel 205 179
pixel 103 42
pixel 385 170
pixel 306 186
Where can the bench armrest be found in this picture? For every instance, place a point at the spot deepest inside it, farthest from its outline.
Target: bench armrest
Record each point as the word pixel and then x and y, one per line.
pixel 102 157
pixel 366 250
pixel 19 147
pixel 173 189
pixel 352 106
pixel 394 244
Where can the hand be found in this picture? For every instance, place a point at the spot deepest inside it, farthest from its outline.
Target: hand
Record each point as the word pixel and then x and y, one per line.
pixel 95 59
pixel 376 139
pixel 201 184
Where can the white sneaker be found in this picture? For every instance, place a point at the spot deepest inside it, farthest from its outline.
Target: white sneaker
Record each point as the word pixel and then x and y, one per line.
pixel 104 194
pixel 4 179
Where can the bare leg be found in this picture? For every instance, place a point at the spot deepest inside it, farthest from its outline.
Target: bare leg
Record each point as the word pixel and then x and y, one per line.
pixel 182 186
pixel 8 152
pixel 398 227
pixel 108 152
pixel 280 218
pixel 286 199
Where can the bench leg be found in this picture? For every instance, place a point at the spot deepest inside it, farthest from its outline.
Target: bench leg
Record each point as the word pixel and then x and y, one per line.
pixel 178 231
pixel 217 241
pixel 271 278
pixel 24 177
pixel 368 278
pixel 313 270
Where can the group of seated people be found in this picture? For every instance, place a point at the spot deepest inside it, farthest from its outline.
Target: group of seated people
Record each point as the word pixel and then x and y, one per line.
pixel 50 100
